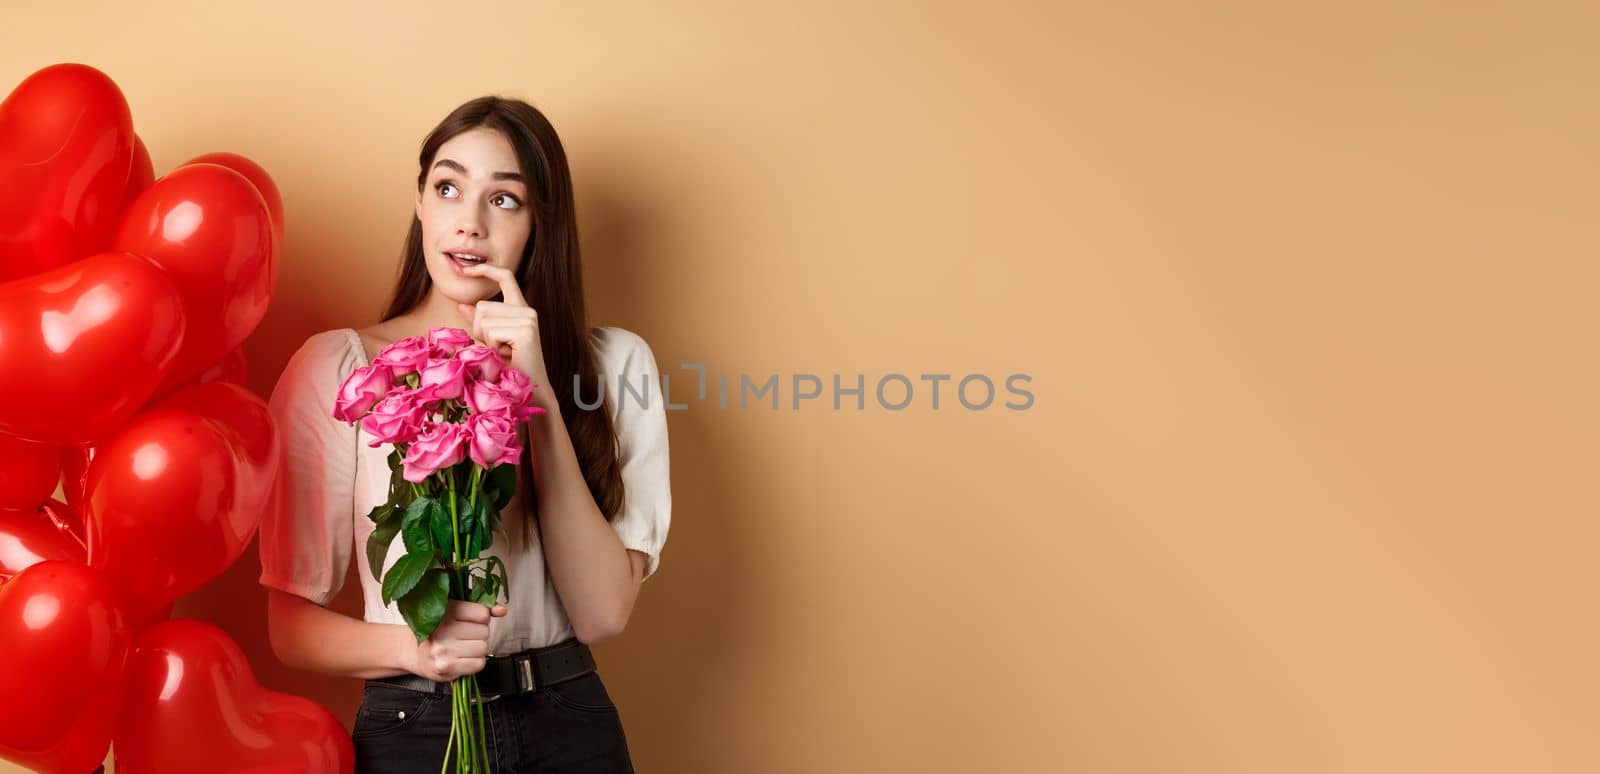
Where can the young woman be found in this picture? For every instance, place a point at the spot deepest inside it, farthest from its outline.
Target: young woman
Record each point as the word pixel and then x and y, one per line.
pixel 493 250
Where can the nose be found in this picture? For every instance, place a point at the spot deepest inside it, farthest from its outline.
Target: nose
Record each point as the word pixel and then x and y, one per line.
pixel 470 227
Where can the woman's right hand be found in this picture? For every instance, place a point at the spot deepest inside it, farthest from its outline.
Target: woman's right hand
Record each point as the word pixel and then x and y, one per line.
pixel 459 646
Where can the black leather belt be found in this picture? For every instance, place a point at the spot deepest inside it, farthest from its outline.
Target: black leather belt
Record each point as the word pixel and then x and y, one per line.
pixel 524 672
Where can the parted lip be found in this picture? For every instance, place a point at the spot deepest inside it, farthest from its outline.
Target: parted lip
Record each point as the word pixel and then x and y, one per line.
pixel 466 251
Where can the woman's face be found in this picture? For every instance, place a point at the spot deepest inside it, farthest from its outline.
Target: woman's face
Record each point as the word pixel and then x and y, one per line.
pixel 474 201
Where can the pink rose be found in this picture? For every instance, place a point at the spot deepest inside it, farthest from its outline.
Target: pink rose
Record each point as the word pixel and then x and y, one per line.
pixel 395 419
pixel 492 398
pixel 364 387
pixel 483 363
pixel 492 440
pixel 516 381
pixel 519 393
pixel 439 446
pixel 445 341
pixel 406 356
pixel 441 380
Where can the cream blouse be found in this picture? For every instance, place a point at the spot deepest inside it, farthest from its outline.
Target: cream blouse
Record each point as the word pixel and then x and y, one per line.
pixel 333 477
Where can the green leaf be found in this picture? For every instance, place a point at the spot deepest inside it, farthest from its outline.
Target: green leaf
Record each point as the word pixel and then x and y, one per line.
pixel 378 545
pixel 504 582
pixel 483 591
pixel 501 484
pixel 443 534
pixel 423 606
pixel 403 576
pixel 418 523
pixel 400 490
pixel 469 515
pixel 486 520
pixel 386 519
pixel 472 529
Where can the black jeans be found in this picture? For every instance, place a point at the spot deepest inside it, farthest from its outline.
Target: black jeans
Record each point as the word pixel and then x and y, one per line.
pixel 571 726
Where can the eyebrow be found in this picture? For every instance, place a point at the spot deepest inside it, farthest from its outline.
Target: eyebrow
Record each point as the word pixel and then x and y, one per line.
pixel 451 163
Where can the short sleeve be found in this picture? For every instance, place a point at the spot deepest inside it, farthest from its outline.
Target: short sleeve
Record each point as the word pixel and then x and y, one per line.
pixel 640 418
pixel 306 541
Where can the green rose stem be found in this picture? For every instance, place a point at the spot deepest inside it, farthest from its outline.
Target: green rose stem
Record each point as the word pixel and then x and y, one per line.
pixel 464 693
pixel 462 688
pixel 483 743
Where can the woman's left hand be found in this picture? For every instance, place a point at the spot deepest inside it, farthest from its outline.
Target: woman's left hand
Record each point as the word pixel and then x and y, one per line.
pixel 510 327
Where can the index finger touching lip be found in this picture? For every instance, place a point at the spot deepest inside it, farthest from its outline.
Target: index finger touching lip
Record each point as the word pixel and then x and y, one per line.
pixel 508 283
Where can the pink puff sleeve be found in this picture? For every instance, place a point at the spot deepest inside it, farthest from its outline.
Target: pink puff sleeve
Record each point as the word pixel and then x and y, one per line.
pixel 306 543
pixel 639 415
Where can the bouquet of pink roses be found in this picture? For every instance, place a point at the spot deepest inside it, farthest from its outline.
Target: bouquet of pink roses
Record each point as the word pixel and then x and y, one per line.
pixel 451 408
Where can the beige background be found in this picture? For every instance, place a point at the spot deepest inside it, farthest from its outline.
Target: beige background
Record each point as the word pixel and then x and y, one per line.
pixel 1307 295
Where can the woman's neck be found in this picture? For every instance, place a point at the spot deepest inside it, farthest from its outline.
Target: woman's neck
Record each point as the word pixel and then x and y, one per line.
pixel 436 311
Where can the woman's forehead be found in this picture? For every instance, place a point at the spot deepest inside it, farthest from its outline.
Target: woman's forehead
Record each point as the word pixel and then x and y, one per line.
pixel 480 151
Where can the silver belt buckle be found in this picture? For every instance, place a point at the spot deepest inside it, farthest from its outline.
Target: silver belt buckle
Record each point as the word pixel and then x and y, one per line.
pixel 525 680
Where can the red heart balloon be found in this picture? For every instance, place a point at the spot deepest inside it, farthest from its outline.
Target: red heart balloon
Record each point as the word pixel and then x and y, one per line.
pixel 211 230
pixel 29 537
pixel 154 618
pixel 66 146
pixel 194 705
pixel 141 175
pixel 74 475
pixel 66 640
pixel 232 369
pixel 28 472
pixel 252 435
pixel 84 346
pixel 259 177
pixel 176 495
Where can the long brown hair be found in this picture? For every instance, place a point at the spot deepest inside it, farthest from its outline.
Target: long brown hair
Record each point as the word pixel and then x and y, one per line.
pixel 550 273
